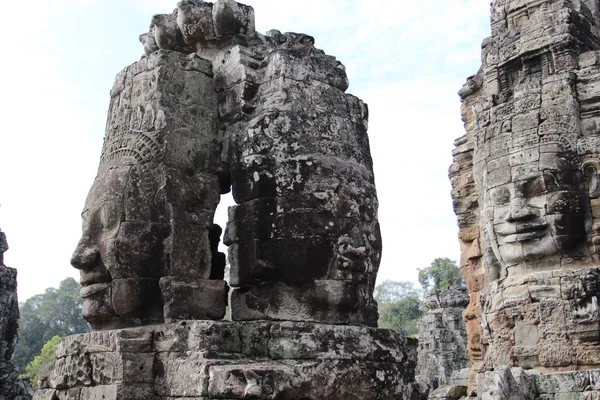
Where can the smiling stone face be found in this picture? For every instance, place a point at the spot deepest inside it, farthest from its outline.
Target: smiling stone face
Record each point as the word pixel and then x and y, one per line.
pixel 539 214
pixel 120 259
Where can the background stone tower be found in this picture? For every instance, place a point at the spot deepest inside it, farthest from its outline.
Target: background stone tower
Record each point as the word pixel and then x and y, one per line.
pixel 442 358
pixel 525 178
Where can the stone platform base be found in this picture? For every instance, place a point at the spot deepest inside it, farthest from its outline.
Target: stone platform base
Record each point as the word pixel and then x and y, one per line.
pixel 230 360
pixel 517 383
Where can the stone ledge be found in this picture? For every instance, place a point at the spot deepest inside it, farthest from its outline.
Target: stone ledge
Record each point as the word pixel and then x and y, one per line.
pixel 231 360
pixel 260 340
pixel 532 385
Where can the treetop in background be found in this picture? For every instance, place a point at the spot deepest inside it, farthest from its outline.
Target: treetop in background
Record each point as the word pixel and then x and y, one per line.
pixel 443 273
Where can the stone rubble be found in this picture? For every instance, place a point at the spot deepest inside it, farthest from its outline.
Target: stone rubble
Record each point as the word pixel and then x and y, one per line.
pixel 525 187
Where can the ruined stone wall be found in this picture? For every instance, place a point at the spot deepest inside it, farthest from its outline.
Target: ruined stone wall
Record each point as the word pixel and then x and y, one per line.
pixel 220 360
pixel 524 185
pixel 11 388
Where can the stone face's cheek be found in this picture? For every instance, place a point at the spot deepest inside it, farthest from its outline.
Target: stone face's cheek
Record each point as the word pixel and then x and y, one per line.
pixel 565 202
pixel 111 215
pixel 501 213
pixel 135 297
pixel 109 254
pixel 137 251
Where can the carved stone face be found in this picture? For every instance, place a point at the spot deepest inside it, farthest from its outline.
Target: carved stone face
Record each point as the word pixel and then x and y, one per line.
pixel 120 253
pixel 539 214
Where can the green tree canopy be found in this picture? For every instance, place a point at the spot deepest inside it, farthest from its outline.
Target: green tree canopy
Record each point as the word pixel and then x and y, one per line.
pixel 56 312
pixel 392 291
pixel 402 315
pixel 43 363
pixel 441 274
pixel 400 306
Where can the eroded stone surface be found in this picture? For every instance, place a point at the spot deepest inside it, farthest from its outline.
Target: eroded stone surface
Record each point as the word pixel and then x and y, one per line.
pixel 148 216
pixel 525 189
pixel 517 383
pixel 235 360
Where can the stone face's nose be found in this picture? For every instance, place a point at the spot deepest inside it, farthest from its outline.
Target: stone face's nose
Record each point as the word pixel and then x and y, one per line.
pixel 84 255
pixel 520 210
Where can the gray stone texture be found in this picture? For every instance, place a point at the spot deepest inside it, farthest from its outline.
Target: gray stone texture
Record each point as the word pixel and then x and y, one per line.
pixel 525 187
pixel 304 238
pixel 234 360
pixel 442 336
pixel 11 388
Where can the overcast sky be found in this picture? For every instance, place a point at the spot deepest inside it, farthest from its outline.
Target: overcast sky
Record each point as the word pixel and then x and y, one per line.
pixel 405 58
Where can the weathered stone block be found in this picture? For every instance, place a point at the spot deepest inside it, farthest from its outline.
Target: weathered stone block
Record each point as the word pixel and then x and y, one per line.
pixel 113 368
pixel 189 298
pixel 182 374
pixel 318 301
pixel 215 359
pixel 118 392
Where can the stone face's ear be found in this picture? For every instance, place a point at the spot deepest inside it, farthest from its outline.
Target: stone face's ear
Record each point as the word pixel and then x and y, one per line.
pixel 591 172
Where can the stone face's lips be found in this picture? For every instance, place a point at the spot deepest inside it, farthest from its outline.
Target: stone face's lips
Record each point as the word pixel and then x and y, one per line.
pixel 521 232
pixel 90 290
pixel 508 229
pixel 97 274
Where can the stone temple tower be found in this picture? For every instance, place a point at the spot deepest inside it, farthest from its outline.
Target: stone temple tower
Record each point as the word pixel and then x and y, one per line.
pixel 215 106
pixel 525 186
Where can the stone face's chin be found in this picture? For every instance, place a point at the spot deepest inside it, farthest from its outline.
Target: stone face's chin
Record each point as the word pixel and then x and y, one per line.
pixel 136 297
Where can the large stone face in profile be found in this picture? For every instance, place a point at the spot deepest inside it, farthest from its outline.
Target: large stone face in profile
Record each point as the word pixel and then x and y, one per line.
pixel 147 218
pixel 525 180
